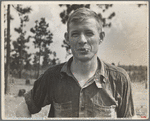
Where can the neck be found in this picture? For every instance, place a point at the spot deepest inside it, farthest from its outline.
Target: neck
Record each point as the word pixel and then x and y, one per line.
pixel 86 68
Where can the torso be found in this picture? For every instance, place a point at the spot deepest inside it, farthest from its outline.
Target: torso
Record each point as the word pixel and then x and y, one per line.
pixel 83 71
pixel 82 79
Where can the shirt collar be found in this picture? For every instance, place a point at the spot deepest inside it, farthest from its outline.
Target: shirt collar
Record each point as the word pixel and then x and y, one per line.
pixel 66 67
pixel 100 71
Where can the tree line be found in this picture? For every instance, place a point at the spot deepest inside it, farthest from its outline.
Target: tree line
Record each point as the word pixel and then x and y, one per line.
pixel 136 73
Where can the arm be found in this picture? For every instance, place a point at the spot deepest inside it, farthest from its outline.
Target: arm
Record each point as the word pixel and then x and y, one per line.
pixel 35 99
pixel 126 107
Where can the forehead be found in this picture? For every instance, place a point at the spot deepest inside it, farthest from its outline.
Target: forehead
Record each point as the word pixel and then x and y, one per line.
pixel 89 23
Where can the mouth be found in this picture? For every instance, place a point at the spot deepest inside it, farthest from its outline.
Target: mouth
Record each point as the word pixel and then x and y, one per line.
pixel 84 50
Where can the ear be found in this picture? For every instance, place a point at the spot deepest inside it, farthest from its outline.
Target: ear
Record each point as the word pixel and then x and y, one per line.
pixel 66 35
pixel 101 36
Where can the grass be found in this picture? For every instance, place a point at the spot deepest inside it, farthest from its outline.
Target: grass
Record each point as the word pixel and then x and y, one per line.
pixel 12 101
pixel 140 98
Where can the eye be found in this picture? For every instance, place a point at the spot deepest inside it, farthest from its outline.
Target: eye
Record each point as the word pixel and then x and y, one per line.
pixel 75 34
pixel 89 33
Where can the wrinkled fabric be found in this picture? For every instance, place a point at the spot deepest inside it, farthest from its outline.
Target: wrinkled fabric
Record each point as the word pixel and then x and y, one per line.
pixel 107 94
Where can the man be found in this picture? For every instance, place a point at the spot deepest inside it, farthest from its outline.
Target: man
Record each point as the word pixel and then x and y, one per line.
pixel 84 86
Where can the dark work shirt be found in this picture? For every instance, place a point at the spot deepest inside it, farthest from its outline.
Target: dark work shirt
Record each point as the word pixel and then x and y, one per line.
pixel 107 94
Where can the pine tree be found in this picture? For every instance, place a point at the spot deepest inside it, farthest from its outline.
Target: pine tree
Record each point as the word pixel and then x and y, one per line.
pixel 27 65
pixel 42 37
pixel 20 44
pixel 35 63
pixel 8 52
pixel 46 58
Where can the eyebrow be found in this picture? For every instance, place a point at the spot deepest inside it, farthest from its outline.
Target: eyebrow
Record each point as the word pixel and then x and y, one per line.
pixel 89 30
pixel 74 31
pixel 78 30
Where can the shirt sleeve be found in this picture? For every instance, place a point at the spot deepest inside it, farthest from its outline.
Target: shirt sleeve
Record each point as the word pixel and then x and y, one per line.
pixel 38 96
pixel 125 107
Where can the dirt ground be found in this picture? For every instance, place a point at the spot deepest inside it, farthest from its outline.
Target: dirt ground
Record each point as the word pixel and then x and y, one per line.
pixel 12 101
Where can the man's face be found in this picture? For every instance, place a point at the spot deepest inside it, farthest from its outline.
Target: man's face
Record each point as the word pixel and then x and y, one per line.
pixel 84 39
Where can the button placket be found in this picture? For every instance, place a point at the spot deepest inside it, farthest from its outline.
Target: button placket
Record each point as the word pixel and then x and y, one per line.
pixel 81 105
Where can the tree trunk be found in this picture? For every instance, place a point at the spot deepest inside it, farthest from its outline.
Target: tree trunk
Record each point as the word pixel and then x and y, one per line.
pixel 7 89
pixel 39 62
pixel 20 73
pixel 21 61
pixel 21 56
pixel 30 73
pixel 35 72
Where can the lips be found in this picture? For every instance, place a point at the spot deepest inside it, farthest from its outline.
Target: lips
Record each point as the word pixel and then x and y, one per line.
pixel 84 50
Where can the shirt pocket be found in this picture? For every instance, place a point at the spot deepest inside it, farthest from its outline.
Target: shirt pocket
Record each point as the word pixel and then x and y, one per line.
pixel 63 109
pixel 101 111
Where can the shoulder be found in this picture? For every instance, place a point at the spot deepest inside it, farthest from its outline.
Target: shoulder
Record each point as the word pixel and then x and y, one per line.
pixel 116 69
pixel 116 72
pixel 50 75
pixel 53 70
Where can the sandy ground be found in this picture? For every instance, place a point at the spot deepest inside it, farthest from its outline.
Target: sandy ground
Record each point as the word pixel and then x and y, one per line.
pixel 12 101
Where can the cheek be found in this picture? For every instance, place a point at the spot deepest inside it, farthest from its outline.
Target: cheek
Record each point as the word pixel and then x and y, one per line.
pixel 94 44
pixel 73 41
pixel 72 45
pixel 94 41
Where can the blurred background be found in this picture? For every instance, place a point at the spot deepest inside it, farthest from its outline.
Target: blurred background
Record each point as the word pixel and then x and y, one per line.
pixel 33 40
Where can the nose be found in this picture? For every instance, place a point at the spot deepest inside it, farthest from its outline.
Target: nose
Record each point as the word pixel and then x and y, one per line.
pixel 82 39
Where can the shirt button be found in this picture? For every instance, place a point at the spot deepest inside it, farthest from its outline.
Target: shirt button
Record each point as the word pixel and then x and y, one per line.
pixel 82 108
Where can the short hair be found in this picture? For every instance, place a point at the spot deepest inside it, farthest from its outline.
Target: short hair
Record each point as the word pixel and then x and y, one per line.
pixel 81 14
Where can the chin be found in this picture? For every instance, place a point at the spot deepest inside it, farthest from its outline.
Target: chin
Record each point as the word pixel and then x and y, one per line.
pixel 84 58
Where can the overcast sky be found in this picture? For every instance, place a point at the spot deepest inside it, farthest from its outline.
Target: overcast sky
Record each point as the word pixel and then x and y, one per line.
pixel 126 42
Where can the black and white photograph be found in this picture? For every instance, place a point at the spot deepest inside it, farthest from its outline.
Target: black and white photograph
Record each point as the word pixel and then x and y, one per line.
pixel 74 60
